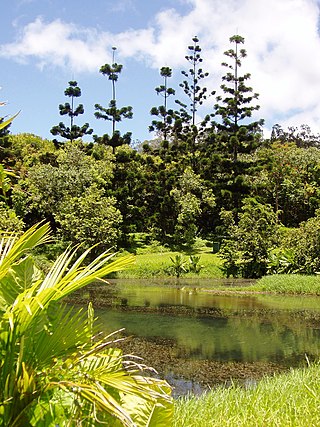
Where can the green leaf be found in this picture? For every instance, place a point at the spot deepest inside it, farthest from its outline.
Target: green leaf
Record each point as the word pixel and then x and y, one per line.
pixel 7 122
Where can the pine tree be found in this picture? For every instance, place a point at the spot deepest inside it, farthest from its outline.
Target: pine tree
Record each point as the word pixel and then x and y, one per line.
pixel 234 135
pixel 186 127
pixel 164 124
pixel 73 132
pixel 113 113
pixel 236 106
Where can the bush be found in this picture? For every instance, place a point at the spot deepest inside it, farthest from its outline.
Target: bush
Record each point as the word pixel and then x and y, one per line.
pixel 9 220
pixel 304 243
pixel 246 247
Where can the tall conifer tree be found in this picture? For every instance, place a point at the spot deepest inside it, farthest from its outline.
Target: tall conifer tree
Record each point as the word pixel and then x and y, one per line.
pixel 73 132
pixel 113 113
pixel 165 116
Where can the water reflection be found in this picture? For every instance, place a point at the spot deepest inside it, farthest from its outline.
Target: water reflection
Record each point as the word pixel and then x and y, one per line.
pixel 221 339
pixel 193 336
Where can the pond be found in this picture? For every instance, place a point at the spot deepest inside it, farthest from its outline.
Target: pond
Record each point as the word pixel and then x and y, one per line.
pixel 196 338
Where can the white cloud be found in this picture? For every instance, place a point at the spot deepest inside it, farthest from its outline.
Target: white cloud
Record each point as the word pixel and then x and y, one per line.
pixel 281 37
pixel 60 44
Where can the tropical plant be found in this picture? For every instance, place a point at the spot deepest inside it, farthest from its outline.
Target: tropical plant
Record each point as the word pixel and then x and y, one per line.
pixel 194 264
pixel 178 265
pixel 55 370
pixel 304 243
pixel 7 122
pixel 5 183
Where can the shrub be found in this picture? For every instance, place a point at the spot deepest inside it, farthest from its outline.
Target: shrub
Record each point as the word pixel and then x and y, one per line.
pixel 245 249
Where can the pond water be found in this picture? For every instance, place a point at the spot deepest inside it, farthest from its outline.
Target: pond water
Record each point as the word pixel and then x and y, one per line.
pixel 196 338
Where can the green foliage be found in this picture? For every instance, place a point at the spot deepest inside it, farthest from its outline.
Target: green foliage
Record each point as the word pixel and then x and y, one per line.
pixel 73 132
pixel 304 243
pixel 247 244
pixel 48 186
pixel 178 265
pixel 194 265
pixel 297 284
pixel 190 196
pixel 55 368
pixel 288 179
pixel 164 125
pixel 7 122
pixel 158 264
pixel 9 220
pixel 186 127
pixel 90 218
pixel 25 150
pixel 281 261
pixel 5 182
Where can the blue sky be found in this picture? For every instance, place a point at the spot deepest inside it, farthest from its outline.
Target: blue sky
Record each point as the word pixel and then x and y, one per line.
pixel 46 43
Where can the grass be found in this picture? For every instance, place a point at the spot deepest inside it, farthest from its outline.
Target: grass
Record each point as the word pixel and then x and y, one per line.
pixel 291 399
pixel 154 260
pixel 156 264
pixel 288 284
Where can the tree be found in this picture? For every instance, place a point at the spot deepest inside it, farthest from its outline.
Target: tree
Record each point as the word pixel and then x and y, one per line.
pixel 163 125
pixel 288 177
pixel 190 195
pixel 89 219
pixel 302 137
pixel 47 186
pixel 303 244
pixel 113 113
pixel 245 249
pixel 73 132
pixel 186 126
pixel 9 221
pixel 236 106
pixel 233 137
pixel 55 367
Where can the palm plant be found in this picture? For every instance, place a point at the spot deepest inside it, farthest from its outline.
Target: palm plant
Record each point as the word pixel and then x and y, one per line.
pixel 55 369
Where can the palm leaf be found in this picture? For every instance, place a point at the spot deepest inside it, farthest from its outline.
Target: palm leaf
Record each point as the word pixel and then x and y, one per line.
pixel 50 362
pixel 7 122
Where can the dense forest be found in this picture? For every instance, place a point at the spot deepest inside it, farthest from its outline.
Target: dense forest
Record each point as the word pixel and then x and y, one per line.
pixel 217 178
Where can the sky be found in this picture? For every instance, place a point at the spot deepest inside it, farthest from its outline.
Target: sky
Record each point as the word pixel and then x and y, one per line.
pixel 46 43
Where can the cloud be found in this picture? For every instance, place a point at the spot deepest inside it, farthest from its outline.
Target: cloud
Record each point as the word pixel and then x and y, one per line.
pixel 60 44
pixel 281 38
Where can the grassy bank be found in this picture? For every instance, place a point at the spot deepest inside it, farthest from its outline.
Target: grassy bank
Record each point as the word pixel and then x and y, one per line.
pixel 154 260
pixel 159 264
pixel 288 284
pixel 290 399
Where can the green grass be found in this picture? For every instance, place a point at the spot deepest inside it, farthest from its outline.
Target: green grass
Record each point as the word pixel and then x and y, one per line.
pixel 291 399
pixel 155 265
pixel 288 284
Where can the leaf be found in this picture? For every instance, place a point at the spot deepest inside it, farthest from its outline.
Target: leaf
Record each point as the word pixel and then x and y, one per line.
pixel 7 122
